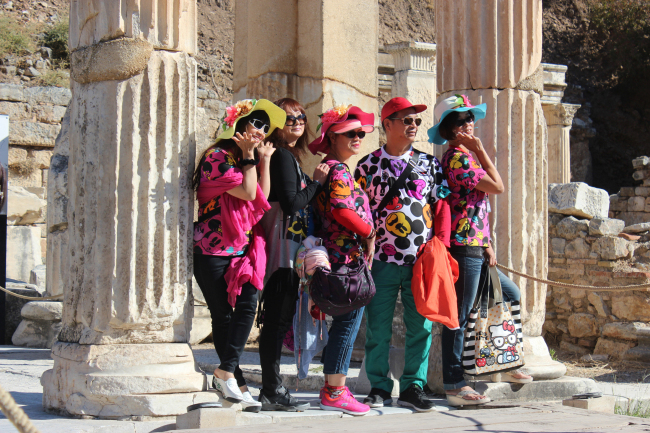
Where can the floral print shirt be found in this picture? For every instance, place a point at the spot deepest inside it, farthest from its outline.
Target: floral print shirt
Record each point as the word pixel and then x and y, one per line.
pixel 208 237
pixel 406 223
pixel 470 207
pixel 343 245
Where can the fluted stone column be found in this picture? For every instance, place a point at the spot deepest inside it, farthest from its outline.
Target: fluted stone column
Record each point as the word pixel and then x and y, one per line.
pixel 123 347
pixel 491 50
pixel 415 80
pixel 320 52
pixel 559 118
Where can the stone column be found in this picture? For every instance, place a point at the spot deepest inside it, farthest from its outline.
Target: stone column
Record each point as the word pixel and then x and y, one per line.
pixel 491 51
pixel 123 347
pixel 323 54
pixel 415 80
pixel 559 118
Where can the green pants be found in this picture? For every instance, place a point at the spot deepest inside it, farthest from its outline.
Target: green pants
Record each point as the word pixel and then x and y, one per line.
pixel 389 280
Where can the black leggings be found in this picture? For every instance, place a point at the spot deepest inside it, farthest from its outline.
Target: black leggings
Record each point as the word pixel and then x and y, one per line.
pixel 230 328
pixel 279 302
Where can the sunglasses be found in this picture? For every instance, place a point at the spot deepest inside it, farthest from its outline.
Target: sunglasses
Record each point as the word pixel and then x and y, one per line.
pixel 292 120
pixel 352 134
pixel 259 124
pixel 460 122
pixel 408 120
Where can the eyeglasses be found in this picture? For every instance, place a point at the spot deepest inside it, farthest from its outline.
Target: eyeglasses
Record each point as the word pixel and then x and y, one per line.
pixel 461 121
pixel 292 120
pixel 259 124
pixel 352 134
pixel 408 120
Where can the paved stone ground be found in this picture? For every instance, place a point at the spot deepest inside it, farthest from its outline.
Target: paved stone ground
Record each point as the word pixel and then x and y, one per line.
pixel 21 369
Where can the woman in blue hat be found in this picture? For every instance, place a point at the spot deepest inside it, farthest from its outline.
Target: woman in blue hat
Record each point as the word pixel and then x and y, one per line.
pixel 470 182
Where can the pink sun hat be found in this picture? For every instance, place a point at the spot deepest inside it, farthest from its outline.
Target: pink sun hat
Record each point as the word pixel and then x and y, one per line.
pixel 341 119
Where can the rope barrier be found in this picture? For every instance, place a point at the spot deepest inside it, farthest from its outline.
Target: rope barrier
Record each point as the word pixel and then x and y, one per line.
pixel 575 286
pixel 15 414
pixel 31 298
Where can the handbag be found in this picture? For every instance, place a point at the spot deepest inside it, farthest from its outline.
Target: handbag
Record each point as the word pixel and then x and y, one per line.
pixel 493 340
pixel 344 288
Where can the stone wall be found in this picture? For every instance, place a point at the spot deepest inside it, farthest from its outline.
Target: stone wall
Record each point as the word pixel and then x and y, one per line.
pixel 597 251
pixel 632 204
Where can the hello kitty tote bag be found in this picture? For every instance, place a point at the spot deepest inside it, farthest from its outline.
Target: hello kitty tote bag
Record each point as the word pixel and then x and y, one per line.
pixel 493 337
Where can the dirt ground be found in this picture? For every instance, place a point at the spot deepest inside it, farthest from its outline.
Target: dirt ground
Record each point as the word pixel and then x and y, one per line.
pixel 610 371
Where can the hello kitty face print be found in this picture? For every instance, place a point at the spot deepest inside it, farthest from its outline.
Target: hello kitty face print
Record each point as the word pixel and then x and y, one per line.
pixel 504 340
pixel 470 207
pixel 405 224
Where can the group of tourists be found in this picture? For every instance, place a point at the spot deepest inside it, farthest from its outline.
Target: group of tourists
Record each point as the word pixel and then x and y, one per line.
pixel 257 206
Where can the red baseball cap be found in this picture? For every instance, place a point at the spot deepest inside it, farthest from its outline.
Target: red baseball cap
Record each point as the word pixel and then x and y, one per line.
pixel 398 104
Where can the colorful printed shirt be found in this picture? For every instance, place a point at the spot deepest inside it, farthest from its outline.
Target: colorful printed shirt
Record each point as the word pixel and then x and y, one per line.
pixel 470 207
pixel 342 244
pixel 404 225
pixel 208 238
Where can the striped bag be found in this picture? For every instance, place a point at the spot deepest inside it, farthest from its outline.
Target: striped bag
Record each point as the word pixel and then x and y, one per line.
pixel 493 337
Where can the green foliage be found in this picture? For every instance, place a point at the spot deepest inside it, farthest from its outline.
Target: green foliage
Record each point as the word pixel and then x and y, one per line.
pixel 625 27
pixel 553 354
pixel 14 37
pixel 638 408
pixel 56 38
pixel 54 77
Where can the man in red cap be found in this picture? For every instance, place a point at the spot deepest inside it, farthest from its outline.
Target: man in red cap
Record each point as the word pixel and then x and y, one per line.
pixel 402 184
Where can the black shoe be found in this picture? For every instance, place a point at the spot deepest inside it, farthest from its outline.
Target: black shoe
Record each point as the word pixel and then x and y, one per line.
pixel 282 401
pixel 415 398
pixel 378 398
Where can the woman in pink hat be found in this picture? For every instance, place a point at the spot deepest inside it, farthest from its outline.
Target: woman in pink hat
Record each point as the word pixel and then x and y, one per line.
pixel 348 234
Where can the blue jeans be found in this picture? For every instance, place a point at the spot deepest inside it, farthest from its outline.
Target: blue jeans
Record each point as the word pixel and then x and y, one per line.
pixel 466 289
pixel 339 347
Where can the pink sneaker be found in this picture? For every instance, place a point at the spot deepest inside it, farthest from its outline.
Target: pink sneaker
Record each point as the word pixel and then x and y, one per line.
pixel 343 401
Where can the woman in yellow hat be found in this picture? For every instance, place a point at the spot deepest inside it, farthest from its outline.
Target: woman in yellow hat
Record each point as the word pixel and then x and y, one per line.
pixel 229 256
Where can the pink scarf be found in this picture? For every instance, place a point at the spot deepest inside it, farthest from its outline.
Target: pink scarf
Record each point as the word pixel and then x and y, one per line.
pixel 237 217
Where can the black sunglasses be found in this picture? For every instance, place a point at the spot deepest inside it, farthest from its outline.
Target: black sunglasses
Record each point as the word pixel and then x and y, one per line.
pixel 352 134
pixel 460 122
pixel 408 120
pixel 259 124
pixel 292 120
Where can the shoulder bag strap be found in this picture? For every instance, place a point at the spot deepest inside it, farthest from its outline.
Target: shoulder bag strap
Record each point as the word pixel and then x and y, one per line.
pixel 399 183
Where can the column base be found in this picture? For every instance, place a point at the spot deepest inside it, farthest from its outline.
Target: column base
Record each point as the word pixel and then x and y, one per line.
pixel 539 363
pixel 123 380
pixel 544 390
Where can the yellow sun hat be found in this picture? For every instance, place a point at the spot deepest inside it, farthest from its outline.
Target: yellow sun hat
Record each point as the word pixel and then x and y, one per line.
pixel 243 108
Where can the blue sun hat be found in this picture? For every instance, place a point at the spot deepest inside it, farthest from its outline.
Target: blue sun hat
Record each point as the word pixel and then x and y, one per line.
pixel 459 103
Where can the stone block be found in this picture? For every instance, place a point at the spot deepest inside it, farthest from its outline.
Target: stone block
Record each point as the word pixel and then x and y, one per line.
pixel 633 218
pixel 611 248
pixel 201 324
pixel 24 247
pixel 583 325
pixel 632 307
pixel 595 358
pixel 574 348
pixel 49 113
pixel 17 155
pixel 14 305
pixel 562 302
pixel 30 179
pixel 557 246
pixel 577 249
pixel 641 174
pixel 570 228
pixel 36 333
pixel 605 404
pixel 637 228
pixel 606 226
pixel 207 418
pixel 15 111
pixel 626 191
pixel 42 310
pixel 636 204
pixel 37 276
pixel 578 199
pixel 615 349
pixel 48 95
pixel 24 208
pixel 623 330
pixel 642 191
pixel 617 203
pixel 587 342
pixel 27 133
pixel 599 304
pixel 640 162
pixel 12 92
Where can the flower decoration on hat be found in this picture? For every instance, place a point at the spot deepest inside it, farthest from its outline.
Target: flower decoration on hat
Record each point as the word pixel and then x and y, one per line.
pixel 234 112
pixel 462 101
pixel 333 115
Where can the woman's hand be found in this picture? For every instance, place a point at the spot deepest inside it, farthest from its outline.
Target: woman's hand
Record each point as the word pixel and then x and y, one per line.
pixel 247 143
pixel 471 142
pixel 369 250
pixel 265 150
pixel 321 172
pixel 491 256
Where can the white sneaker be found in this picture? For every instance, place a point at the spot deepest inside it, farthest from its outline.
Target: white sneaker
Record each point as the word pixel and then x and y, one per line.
pixel 248 404
pixel 228 389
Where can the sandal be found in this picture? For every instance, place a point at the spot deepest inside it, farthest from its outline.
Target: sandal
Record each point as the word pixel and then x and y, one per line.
pixel 458 400
pixel 509 377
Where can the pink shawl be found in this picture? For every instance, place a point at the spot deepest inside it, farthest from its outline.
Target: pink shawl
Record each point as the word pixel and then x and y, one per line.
pixel 237 217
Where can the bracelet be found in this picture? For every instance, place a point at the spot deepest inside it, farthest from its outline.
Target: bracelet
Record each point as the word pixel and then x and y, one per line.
pixel 372 234
pixel 244 162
